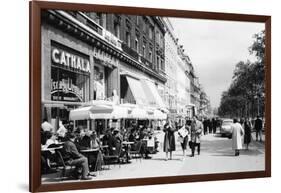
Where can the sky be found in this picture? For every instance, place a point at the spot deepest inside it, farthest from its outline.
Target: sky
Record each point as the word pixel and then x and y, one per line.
pixel 214 48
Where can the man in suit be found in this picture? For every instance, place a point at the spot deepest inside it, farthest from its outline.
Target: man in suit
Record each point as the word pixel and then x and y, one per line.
pixel 73 157
pixel 258 128
pixel 111 141
pixel 196 132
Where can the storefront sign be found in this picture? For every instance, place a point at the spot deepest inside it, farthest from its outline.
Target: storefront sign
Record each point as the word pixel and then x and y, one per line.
pixel 105 58
pixel 111 39
pixel 70 60
pixel 67 89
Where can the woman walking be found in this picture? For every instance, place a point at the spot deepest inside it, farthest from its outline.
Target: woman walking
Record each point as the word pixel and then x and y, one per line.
pixel 237 133
pixel 169 139
pixel 248 133
pixel 183 138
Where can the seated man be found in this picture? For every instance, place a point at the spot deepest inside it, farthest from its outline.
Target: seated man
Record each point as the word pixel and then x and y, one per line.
pixel 111 141
pixel 86 139
pixel 73 157
pixel 143 136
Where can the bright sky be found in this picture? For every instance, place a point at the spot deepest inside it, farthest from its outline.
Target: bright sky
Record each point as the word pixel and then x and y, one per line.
pixel 214 48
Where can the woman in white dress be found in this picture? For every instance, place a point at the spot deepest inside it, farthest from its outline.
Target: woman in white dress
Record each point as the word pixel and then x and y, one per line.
pixel 237 136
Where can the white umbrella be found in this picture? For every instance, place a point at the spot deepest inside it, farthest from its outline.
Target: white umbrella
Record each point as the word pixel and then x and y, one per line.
pixel 135 112
pixel 85 113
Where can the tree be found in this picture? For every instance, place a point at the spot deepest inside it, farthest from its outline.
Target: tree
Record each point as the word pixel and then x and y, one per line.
pixel 244 97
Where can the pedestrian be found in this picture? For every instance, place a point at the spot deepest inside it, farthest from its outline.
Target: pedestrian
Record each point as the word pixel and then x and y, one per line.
pixel 169 139
pixel 210 126
pixel 248 132
pixel 258 128
pixel 196 132
pixel 205 124
pixel 183 138
pixel 214 125
pixel 237 133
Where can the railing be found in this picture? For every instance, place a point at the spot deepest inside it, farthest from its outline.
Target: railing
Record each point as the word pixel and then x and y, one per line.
pixel 130 51
pixel 108 36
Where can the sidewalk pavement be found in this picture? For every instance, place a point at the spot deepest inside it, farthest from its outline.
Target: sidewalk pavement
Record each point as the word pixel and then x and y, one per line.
pixel 216 157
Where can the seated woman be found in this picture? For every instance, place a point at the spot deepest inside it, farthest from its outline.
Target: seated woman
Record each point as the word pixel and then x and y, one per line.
pixel 86 139
pixel 96 158
pixel 48 157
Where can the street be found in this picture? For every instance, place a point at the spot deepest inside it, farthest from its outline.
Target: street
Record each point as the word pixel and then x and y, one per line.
pixel 216 157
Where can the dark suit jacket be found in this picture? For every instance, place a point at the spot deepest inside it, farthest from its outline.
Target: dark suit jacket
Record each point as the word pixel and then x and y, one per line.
pixel 258 124
pixel 71 150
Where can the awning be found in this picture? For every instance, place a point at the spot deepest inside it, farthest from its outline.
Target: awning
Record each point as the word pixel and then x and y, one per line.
pixel 153 93
pixel 137 90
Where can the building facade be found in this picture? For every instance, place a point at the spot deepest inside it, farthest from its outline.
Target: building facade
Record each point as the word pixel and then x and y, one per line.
pixel 88 56
pixel 141 82
pixel 178 87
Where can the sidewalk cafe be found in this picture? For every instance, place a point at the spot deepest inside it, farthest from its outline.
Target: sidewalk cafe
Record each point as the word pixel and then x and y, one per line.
pixel 129 124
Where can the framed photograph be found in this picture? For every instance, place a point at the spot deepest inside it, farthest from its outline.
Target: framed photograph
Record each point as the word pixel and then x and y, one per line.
pixel 127 96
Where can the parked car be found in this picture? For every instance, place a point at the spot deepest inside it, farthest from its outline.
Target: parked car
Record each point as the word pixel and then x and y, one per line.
pixel 225 129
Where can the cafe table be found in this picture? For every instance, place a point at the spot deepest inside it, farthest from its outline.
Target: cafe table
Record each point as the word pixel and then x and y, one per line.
pixel 51 149
pixel 93 151
pixel 127 144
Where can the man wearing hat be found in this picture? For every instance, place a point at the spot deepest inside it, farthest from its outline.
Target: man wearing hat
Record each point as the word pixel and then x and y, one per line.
pixel 73 157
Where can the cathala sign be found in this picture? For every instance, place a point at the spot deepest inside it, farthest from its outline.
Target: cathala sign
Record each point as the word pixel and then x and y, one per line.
pixel 70 60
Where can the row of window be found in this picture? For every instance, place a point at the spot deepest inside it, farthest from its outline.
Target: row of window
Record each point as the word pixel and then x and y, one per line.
pixel 143 49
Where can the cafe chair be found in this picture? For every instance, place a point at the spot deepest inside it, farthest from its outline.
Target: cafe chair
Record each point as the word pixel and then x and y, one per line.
pixel 63 164
pixel 114 158
pixel 135 150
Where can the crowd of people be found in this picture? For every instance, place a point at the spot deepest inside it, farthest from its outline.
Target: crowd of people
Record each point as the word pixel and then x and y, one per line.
pixel 242 132
pixel 74 141
pixel 188 134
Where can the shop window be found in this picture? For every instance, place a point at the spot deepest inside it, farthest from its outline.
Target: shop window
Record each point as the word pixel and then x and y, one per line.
pixel 99 83
pixel 69 85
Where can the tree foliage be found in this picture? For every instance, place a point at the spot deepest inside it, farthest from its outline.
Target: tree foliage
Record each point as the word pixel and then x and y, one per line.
pixel 245 95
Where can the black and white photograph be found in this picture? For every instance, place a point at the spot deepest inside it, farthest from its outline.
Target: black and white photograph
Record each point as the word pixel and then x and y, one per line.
pixel 139 96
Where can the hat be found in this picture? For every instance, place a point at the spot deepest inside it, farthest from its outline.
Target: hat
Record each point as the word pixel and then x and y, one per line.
pixel 116 130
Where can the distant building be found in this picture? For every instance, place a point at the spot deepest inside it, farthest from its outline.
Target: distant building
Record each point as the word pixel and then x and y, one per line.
pixel 177 90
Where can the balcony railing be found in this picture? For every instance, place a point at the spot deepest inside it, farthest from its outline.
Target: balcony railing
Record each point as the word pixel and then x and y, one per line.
pixel 130 51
